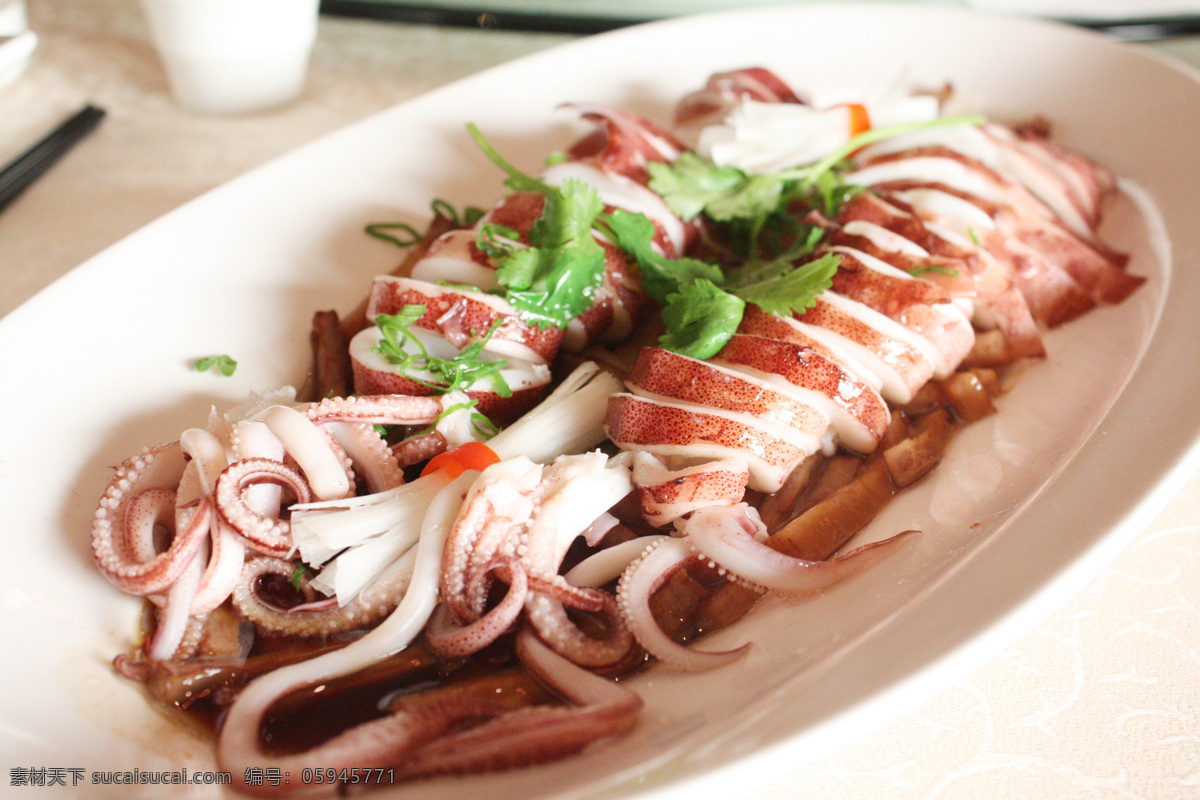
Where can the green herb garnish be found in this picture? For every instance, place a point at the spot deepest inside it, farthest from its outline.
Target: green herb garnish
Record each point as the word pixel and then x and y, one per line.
pixel 300 575
pixel 922 269
pixel 404 235
pixel 400 234
pixel 224 364
pixel 555 278
pixel 400 346
pixel 661 276
pixel 700 318
pixel 791 289
pixel 694 185
pixel 702 305
pixel 483 427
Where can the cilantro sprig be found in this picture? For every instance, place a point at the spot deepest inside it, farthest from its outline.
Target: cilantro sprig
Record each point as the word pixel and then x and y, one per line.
pixel 399 345
pixel 783 288
pixel 702 305
pixel 693 185
pixel 555 278
pixel 634 233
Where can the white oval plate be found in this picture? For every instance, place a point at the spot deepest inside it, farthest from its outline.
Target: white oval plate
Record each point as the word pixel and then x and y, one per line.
pixel 1027 505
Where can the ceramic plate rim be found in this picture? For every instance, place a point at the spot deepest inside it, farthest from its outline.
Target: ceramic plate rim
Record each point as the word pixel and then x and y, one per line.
pixel 982 634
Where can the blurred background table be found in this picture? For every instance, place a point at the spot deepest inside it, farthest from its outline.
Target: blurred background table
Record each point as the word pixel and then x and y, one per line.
pixel 1098 701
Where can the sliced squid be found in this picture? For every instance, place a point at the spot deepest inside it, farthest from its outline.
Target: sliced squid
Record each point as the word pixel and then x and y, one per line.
pixel 881 229
pixel 724 90
pixel 903 361
pixel 921 306
pixel 461 316
pixel 668 494
pixel 959 225
pixel 525 382
pixel 858 414
pixel 613 161
pixel 688 432
pixel 664 375
pixel 1037 246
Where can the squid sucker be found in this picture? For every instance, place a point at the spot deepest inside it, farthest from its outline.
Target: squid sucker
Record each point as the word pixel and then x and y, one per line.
pixel 490 512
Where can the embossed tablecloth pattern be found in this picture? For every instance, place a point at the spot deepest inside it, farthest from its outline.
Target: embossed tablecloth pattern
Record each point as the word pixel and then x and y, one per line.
pixel 1098 701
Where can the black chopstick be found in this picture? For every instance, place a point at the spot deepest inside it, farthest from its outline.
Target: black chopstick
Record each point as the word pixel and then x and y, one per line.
pixel 18 174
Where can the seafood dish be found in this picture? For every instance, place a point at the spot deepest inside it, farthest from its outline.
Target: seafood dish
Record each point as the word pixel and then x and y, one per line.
pixel 677 368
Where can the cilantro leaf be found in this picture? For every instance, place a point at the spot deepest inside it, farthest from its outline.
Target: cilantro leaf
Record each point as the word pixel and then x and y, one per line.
pixel 692 185
pixel 791 290
pixel 565 224
pixel 661 276
pixel 555 279
pixel 700 318
pixel 519 267
pixel 746 204
pixel 223 363
pixel 828 192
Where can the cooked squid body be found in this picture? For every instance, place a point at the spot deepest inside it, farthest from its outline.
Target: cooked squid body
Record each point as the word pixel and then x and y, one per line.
pixel 961 228
pixel 879 337
pixel 457 281
pixel 1027 204
pixel 724 90
pixel 940 321
pixel 1012 214
pixel 976 282
pixel 667 495
pixel 766 403
pixel 612 160
pixel 921 269
pixel 454 319
pixel 456 258
pixel 784 388
pixel 1071 188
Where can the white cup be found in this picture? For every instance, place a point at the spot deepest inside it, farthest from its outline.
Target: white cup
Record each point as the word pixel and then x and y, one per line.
pixel 12 18
pixel 17 42
pixel 233 56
